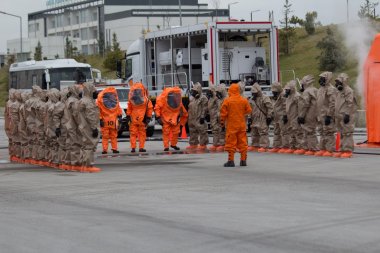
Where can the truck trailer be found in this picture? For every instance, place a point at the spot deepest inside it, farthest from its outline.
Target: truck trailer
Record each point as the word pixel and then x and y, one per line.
pixel 210 53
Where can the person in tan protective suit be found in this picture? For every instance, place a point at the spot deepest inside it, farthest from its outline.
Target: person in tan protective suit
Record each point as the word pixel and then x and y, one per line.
pixel 281 132
pixel 31 119
pixel 295 131
pixel 23 128
pixel 88 125
pixel 261 116
pixel 171 114
pixel 233 113
pixel 326 114
pixel 140 110
pixel 216 95
pixel 345 111
pixel 73 155
pixel 51 138
pixel 308 115
pixel 14 111
pixel 7 120
pixel 60 126
pixel 197 119
pixel 40 111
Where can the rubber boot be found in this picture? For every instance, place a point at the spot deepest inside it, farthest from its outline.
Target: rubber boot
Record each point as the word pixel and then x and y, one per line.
pixel 192 147
pixel 229 164
pixel 346 154
pixel 115 151
pixel 133 150
pixel 327 154
pixel 243 163
pixel 299 152
pixel 220 149
pixel 309 153
pixel 141 150
pixel 337 155
pixel 175 148
pixel 274 150
pixel 166 149
pixel 262 150
pixel 213 148
pixel 320 153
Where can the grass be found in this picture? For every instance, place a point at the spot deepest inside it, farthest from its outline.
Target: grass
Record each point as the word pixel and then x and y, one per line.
pixel 3 86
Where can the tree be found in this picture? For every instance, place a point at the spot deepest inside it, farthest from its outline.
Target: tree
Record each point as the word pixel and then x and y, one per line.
pixel 38 52
pixel 113 55
pixel 70 50
pixel 310 21
pixel 287 33
pixel 368 10
pixel 333 56
pixel 294 20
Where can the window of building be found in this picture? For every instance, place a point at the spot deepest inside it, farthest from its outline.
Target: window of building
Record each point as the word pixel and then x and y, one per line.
pixel 85 49
pixel 84 33
pixel 94 16
pixel 37 27
pixel 83 16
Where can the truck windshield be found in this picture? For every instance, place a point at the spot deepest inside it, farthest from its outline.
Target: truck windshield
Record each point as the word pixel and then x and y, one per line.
pixel 66 74
pixel 128 68
pixel 123 94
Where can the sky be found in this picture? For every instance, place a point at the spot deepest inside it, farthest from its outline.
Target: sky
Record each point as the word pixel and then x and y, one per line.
pixel 329 11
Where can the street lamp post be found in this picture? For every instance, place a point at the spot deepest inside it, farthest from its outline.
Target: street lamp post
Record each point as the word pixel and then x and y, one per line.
pixel 252 13
pixel 229 9
pixel 9 14
pixel 180 12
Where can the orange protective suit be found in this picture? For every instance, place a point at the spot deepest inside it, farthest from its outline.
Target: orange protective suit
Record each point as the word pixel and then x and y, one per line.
pixel 109 108
pixel 232 114
pixel 171 112
pixel 140 110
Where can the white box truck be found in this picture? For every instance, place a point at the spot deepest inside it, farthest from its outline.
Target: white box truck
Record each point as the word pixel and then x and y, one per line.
pixel 210 53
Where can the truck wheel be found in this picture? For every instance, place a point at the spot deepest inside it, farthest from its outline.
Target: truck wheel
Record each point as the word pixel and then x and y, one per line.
pixel 150 131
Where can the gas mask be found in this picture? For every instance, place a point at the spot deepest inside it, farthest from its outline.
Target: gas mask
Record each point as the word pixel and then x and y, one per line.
pixel 254 96
pixel 322 81
pixel 194 93
pixel 302 88
pixel 339 85
pixel 275 94
pixel 219 95
pixel 95 94
pixel 80 95
pixel 209 94
pixel 287 93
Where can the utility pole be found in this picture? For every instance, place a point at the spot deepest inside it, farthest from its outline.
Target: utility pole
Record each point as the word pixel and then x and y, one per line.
pixel 229 9
pixel 252 13
pixel 9 14
pixel 348 15
pixel 180 12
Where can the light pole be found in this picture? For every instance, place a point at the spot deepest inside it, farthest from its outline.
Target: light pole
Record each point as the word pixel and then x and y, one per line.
pixel 252 13
pixel 180 12
pixel 9 14
pixel 229 9
pixel 348 17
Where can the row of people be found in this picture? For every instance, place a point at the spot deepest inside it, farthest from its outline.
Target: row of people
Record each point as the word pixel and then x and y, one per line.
pixel 53 128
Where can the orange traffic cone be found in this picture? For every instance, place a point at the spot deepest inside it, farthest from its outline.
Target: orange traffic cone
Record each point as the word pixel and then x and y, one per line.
pixel 183 133
pixel 337 141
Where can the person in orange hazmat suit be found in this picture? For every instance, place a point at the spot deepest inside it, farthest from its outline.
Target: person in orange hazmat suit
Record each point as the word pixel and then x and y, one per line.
pixel 171 114
pixel 233 113
pixel 110 115
pixel 140 110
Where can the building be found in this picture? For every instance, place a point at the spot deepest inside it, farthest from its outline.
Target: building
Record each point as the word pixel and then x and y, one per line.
pixel 92 23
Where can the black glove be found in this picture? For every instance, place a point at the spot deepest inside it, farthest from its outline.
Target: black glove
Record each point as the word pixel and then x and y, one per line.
pixel 269 120
pixel 328 120
pixel 95 133
pixel 58 132
pixel 119 117
pixel 346 118
pixel 202 121
pixel 249 121
pixel 159 121
pixel 101 123
pixel 147 120
pixel 285 119
pixel 301 120
pixel 128 119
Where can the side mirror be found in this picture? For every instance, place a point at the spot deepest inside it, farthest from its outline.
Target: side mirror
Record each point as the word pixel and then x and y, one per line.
pixel 119 69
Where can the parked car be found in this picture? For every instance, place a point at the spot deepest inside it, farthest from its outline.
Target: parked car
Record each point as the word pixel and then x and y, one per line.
pixel 123 94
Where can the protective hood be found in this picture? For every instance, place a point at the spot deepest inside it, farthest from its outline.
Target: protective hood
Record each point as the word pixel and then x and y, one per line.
pixel 291 85
pixel 276 87
pixel 212 89
pixel 173 97
pixel 18 95
pixel 88 90
pixel 12 95
pixel 328 76
pixel 234 90
pixel 36 90
pixel 108 100
pixel 25 96
pixel 74 91
pixel 54 95
pixel 222 89
pixel 137 94
pixel 63 94
pixel 307 81
pixel 343 78
pixel 197 87
pixel 256 89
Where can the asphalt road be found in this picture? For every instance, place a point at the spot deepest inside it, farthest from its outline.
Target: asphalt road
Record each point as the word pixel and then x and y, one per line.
pixel 190 203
